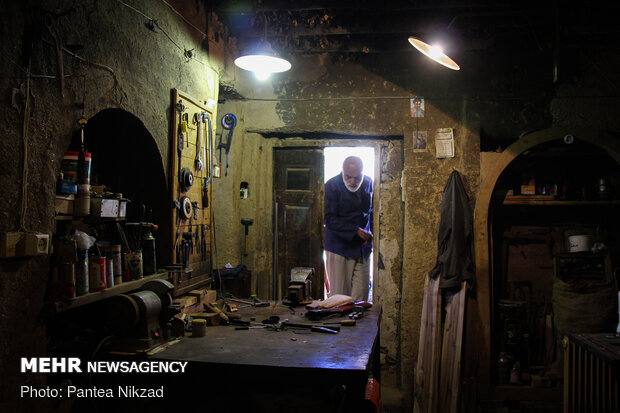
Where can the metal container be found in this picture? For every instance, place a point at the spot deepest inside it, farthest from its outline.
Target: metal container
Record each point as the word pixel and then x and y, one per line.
pixel 580 243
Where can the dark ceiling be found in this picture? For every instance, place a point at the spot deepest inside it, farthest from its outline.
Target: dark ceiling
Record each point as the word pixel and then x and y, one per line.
pixel 348 27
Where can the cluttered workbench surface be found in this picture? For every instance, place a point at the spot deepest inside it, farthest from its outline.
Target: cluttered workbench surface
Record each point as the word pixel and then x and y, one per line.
pixel 273 339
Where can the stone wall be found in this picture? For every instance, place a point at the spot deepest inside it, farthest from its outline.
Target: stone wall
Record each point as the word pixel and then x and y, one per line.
pixel 112 60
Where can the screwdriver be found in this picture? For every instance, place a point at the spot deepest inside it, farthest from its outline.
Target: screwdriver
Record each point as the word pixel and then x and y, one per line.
pixel 346 323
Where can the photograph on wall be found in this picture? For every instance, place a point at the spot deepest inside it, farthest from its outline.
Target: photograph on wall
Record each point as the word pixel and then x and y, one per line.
pixel 417 107
pixel 444 143
pixel 419 141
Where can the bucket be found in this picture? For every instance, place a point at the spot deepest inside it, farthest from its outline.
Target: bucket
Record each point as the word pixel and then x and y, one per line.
pixel 69 166
pixel 580 243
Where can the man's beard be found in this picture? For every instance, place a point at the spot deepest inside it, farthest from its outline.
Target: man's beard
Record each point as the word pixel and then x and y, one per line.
pixel 352 188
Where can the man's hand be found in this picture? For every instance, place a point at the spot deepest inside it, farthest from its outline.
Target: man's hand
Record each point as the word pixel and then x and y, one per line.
pixel 365 235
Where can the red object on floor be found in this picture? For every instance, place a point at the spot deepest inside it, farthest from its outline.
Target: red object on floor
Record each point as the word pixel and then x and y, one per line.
pixel 373 396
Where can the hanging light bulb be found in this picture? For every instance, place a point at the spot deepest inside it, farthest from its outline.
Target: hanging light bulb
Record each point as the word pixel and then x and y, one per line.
pixel 263 60
pixel 263 65
pixel 434 52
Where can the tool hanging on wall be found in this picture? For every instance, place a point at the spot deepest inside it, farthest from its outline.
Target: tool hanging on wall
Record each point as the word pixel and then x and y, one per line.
pixel 229 121
pixel 198 160
pixel 200 118
pixel 186 180
pixel 185 211
pixel 82 167
pixel 181 108
pixel 246 222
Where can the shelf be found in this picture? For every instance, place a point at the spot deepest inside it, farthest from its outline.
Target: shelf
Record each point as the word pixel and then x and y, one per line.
pixel 523 200
pixel 55 307
pixel 89 219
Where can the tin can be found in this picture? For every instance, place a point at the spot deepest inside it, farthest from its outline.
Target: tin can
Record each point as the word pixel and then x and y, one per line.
pixel 97 274
pixel 109 273
pixel 82 273
pixel 149 262
pixel 114 254
pixel 133 261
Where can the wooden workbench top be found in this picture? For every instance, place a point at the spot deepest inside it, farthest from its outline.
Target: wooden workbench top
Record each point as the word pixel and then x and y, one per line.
pixel 347 352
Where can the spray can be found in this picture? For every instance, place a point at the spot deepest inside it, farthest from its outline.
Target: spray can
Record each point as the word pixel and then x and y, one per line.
pixel 97 276
pixel 81 273
pixel 148 254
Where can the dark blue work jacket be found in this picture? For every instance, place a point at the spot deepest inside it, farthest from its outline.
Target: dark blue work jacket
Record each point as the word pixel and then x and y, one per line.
pixel 345 211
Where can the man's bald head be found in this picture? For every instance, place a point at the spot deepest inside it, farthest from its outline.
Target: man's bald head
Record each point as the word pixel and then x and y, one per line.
pixel 352 169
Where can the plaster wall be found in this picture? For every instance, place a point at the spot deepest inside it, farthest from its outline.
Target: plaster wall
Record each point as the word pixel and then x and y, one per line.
pixel 347 104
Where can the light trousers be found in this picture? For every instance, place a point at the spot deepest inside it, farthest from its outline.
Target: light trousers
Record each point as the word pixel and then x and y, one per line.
pixel 348 276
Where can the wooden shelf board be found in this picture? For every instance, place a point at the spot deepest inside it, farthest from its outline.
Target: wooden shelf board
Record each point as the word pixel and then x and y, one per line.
pixel 524 201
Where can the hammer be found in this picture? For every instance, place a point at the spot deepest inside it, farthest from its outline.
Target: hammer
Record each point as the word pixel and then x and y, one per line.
pixel 246 222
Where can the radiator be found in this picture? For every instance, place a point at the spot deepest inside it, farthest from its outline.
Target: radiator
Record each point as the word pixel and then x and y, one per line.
pixel 591 373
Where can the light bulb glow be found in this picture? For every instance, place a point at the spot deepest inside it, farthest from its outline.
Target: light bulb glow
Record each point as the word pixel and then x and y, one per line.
pixel 262 65
pixel 434 52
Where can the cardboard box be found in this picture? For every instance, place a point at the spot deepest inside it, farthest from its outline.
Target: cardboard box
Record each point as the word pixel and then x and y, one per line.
pixel 104 207
pixel 63 205
pixel 528 189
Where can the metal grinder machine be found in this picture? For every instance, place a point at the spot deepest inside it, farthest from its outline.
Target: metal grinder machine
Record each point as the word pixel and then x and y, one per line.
pixel 139 320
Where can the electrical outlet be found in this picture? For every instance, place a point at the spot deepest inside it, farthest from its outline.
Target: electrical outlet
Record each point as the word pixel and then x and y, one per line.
pixel 23 244
pixel 216 171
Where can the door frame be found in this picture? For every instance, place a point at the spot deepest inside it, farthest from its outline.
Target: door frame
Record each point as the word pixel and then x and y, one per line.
pixel 376 175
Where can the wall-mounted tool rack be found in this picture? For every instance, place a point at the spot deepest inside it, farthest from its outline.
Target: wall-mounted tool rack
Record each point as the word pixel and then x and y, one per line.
pixel 191 177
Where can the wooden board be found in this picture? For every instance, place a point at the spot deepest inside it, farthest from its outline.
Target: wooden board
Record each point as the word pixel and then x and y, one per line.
pixel 450 375
pixel 427 368
pixel 195 137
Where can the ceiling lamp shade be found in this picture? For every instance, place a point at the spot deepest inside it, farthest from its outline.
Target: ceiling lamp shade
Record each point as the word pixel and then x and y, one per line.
pixel 262 65
pixel 435 53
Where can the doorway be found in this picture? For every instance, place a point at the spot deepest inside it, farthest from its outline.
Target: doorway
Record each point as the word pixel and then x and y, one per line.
pixel 333 158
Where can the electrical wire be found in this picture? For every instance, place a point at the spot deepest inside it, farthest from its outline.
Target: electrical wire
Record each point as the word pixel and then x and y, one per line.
pixel 185 20
pixel 25 125
pixel 186 52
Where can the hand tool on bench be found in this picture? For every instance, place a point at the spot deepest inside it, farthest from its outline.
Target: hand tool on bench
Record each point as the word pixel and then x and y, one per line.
pixel 257 302
pixel 319 313
pixel 346 323
pixel 312 327
pixel 216 309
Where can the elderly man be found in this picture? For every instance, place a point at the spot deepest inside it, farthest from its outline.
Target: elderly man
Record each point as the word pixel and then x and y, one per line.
pixel 348 230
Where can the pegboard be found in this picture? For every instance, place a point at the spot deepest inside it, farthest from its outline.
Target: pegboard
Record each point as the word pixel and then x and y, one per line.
pixel 191 175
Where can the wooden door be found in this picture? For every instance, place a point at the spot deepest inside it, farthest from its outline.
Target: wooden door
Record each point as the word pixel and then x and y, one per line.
pixel 298 188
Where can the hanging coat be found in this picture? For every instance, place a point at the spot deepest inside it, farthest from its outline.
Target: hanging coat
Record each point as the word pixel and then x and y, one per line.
pixel 455 244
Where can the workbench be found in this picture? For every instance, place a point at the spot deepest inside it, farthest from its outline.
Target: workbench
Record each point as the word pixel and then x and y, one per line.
pixel 288 361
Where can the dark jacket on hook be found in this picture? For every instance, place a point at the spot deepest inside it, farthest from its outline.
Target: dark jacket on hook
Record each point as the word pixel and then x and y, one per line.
pixel 455 244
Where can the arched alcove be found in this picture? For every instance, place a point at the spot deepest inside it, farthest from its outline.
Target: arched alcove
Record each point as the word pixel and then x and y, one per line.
pixel 125 159
pixel 482 221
